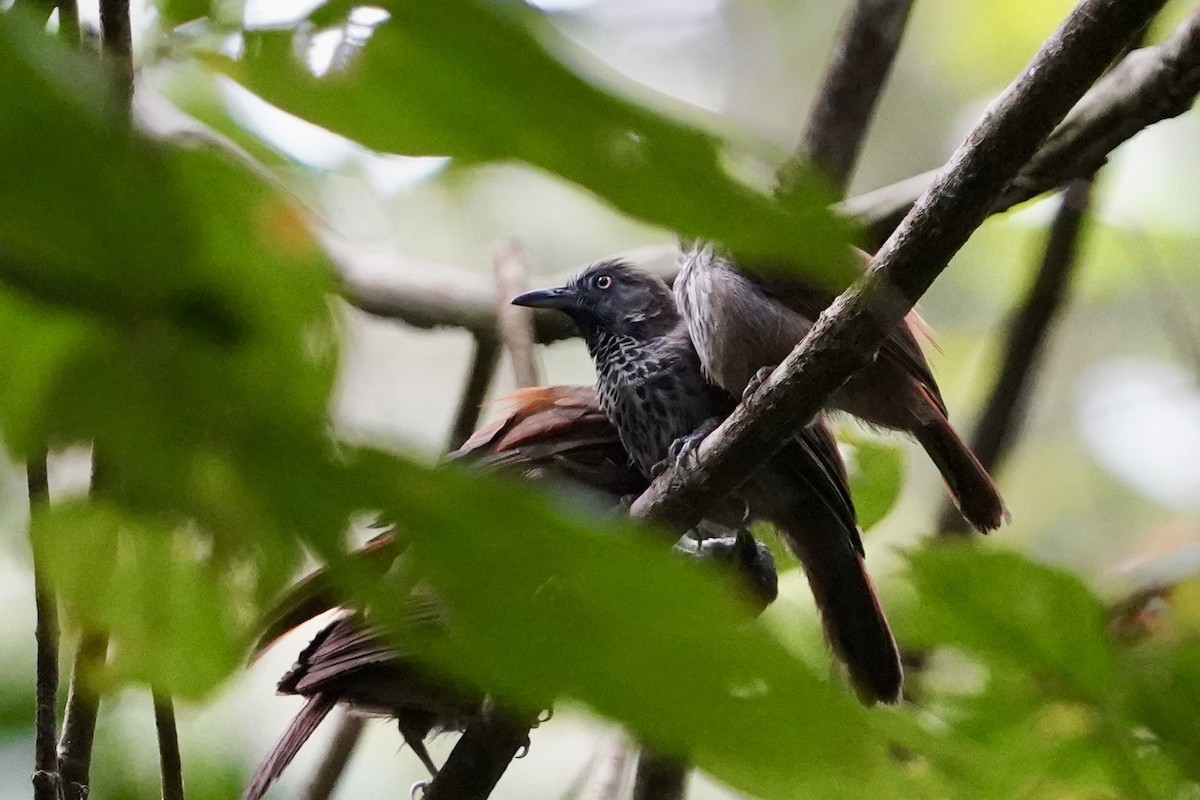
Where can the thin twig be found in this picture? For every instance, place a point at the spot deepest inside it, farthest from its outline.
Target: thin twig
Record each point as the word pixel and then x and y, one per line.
pixel 168 748
pixel 480 757
pixel 79 719
pixel 863 53
pixel 116 37
pixel 847 335
pixel 337 758
pixel 83 696
pixel 1028 331
pixel 515 323
pixel 483 368
pixel 660 778
pixel 45 754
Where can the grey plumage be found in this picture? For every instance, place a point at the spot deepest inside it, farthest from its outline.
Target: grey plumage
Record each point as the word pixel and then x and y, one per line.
pixel 653 389
pixel 741 324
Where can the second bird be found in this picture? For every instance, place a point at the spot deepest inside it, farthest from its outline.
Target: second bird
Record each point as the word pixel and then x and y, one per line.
pixel 741 325
pixel 651 386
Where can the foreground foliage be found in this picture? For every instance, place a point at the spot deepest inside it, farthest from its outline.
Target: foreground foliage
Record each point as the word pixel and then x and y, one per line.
pixel 178 313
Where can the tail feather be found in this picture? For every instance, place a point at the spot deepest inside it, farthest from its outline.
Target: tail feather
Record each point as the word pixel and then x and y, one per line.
pixel 297 733
pixel 799 490
pixel 969 483
pixel 852 617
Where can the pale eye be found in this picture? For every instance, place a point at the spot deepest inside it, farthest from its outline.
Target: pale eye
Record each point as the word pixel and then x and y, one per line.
pixel 603 282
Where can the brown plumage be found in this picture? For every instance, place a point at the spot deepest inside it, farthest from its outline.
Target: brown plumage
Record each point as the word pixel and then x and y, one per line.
pixel 741 324
pixel 652 388
pixel 347 663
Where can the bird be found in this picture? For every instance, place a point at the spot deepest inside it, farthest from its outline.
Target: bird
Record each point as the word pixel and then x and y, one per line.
pixel 652 388
pixel 742 326
pixel 556 435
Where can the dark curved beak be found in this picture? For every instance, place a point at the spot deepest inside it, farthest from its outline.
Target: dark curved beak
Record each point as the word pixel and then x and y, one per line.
pixel 560 297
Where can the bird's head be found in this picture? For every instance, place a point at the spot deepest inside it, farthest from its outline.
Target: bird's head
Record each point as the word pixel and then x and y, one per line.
pixel 611 297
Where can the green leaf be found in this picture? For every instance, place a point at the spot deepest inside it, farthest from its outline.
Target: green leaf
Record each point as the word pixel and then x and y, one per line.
pixel 177 311
pixel 466 79
pixel 876 477
pixel 545 604
pixel 1011 611
pixel 1166 699
pixel 171 612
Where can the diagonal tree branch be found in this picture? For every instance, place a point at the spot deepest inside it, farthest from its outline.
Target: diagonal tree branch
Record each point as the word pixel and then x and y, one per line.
pixel 847 335
pixel 862 59
pixel 1027 334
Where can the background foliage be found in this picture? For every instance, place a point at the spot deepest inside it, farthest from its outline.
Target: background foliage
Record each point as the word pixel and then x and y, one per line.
pixel 174 306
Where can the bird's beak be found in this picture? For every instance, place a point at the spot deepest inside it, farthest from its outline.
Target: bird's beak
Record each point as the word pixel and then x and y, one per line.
pixel 560 297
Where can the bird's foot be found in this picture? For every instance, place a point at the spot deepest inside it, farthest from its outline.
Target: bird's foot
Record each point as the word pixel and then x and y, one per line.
pixel 418 790
pixel 757 380
pixel 684 449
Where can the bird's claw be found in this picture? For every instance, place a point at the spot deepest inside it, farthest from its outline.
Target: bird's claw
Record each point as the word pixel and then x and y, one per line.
pixel 683 451
pixel 756 382
pixel 417 790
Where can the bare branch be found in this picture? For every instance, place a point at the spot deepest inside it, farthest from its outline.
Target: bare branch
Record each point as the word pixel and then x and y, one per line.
pixel 1150 85
pixel 435 295
pixel 337 758
pixel 45 753
pixel 116 37
pixel 515 323
pixel 170 762
pixel 491 741
pixel 660 777
pixel 847 334
pixel 837 125
pixel 1027 334
pixel 483 369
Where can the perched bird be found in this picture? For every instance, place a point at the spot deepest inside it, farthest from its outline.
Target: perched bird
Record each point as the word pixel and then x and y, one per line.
pixel 743 326
pixel 556 434
pixel 654 391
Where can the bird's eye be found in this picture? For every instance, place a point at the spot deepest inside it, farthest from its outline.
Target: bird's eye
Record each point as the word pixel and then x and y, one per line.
pixel 603 281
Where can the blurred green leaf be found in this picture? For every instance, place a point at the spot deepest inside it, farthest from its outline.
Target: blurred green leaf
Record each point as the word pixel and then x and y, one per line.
pixel 176 311
pixel 171 611
pixel 1166 699
pixel 876 477
pixel 467 79
pixel 544 605
pixel 1009 610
